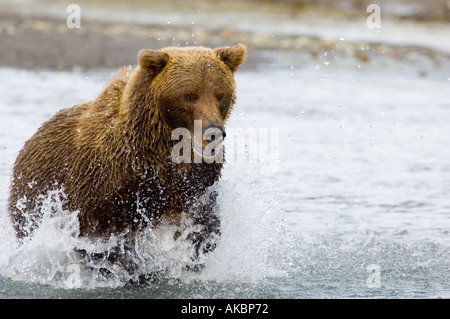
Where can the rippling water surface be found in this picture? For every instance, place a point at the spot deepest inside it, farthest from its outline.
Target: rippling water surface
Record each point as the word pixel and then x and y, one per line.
pixel 356 204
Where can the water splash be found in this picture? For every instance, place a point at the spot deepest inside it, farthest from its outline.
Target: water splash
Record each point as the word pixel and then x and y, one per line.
pixel 252 246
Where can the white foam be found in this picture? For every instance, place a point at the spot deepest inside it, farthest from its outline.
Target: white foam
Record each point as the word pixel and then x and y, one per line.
pixel 252 234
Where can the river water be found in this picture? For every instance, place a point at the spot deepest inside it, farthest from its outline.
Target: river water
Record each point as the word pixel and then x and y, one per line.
pixel 351 201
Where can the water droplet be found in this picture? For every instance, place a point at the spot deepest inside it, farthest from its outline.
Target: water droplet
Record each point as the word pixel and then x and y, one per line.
pixel 326 63
pixel 341 39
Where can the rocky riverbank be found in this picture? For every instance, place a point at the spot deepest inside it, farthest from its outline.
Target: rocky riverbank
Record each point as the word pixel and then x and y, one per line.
pixel 40 40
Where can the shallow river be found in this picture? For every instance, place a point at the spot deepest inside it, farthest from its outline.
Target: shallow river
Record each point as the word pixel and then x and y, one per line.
pixel 351 198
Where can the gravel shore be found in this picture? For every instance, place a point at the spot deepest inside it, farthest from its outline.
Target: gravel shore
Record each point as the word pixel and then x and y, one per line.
pixel 39 41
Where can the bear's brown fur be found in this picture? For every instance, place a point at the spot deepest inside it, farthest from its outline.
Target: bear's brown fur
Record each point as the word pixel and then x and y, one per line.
pixel 111 156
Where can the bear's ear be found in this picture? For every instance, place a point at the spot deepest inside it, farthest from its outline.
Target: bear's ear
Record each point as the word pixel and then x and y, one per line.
pixel 152 60
pixel 231 56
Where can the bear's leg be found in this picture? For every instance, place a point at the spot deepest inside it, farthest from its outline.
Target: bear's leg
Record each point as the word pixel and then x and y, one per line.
pixel 205 215
pixel 122 256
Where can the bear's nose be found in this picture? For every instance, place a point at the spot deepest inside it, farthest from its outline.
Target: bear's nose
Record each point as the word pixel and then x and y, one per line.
pixel 216 130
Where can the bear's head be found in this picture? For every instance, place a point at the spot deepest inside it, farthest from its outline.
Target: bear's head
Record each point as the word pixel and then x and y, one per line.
pixel 192 84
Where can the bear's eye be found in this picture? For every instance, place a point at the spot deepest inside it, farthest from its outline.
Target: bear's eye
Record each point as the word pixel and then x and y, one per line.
pixel 190 97
pixel 220 97
pixel 224 110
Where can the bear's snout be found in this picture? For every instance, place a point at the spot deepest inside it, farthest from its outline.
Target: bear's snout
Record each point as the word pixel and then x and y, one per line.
pixel 213 135
pixel 215 130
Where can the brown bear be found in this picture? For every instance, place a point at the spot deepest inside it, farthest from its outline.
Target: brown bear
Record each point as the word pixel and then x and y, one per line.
pixel 112 156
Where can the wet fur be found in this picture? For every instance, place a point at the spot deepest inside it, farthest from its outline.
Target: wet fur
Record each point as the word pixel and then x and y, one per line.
pixel 110 156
